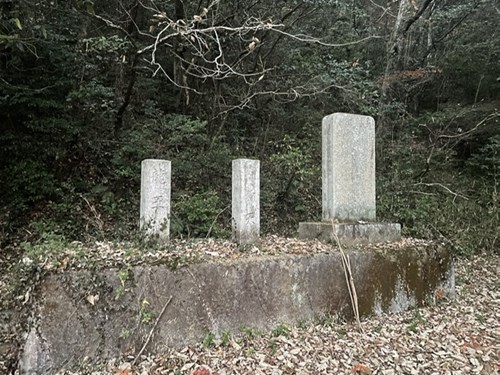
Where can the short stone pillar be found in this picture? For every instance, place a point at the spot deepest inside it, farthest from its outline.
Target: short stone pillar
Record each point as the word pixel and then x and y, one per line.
pixel 246 201
pixel 348 167
pixel 155 199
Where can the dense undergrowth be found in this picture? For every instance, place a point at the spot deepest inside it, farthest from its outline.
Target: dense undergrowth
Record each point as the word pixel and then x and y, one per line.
pixel 79 110
pixel 429 189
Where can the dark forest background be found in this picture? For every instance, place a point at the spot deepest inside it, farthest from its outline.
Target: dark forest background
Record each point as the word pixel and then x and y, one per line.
pixel 89 89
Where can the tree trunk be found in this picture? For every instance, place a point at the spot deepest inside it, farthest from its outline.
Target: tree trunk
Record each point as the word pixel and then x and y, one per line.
pixel 127 72
pixel 397 49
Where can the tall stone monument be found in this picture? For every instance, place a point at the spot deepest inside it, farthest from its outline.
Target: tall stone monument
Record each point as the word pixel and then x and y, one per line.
pixel 348 182
pixel 246 201
pixel 155 199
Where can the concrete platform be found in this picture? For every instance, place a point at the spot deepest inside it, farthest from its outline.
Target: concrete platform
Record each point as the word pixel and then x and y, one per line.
pixel 351 233
pixel 258 292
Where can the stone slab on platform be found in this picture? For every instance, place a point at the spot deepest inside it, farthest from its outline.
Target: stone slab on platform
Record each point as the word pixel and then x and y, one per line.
pixel 351 233
pixel 348 167
pixel 95 315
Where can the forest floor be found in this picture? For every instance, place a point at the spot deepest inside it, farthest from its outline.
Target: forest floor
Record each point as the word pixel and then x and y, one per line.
pixel 460 336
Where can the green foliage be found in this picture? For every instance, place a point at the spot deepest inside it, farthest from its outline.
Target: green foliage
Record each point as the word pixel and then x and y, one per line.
pixel 434 194
pixel 273 346
pixel 124 334
pixel 93 97
pixel 471 61
pixel 179 138
pixel 29 182
pixel 302 324
pixel 291 183
pixel 414 322
pixel 282 330
pixel 49 243
pixel 79 112
pixel 249 332
pixel 197 215
pixel 147 314
pixel 328 320
pixel 250 352
pixel 125 276
pixel 353 84
pixel 209 340
pixel 486 162
pixel 480 318
pixel 226 338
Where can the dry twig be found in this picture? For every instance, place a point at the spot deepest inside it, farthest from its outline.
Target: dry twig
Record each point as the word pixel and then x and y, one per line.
pixel 151 331
pixel 346 264
pixel 445 188
pixel 468 132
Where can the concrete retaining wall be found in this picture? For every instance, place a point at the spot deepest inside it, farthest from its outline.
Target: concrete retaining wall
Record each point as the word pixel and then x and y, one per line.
pixel 259 292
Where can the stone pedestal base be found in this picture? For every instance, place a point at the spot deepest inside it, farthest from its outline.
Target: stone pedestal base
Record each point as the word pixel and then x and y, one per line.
pixel 218 296
pixel 351 233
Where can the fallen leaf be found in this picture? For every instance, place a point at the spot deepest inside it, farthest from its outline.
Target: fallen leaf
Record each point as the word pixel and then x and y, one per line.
pixel 92 299
pixel 361 369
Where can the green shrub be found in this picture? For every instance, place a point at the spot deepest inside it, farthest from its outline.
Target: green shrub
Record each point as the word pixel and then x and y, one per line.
pixel 48 243
pixel 453 201
pixel 291 183
pixel 198 215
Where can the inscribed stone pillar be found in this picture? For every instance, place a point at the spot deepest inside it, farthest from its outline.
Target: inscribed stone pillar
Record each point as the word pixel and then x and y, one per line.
pixel 348 167
pixel 155 199
pixel 246 201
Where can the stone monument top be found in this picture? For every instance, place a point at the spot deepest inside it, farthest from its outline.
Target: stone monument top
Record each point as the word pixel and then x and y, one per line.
pixel 348 167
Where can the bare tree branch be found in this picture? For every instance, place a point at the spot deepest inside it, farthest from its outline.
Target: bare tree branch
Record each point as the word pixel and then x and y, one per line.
pixel 313 40
pixel 417 15
pixel 281 96
pixel 111 24
pixel 203 49
pixel 470 131
pixel 205 40
pixel 443 187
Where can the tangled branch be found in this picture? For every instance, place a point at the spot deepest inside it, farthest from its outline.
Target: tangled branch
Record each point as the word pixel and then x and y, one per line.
pixel 205 52
pixel 207 47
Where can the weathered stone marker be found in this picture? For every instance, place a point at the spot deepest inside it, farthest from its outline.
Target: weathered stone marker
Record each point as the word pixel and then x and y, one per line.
pixel 348 167
pixel 155 198
pixel 246 201
pixel 348 181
